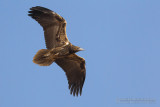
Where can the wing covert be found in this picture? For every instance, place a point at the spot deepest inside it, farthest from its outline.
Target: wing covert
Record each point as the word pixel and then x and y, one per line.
pixel 74 67
pixel 54 26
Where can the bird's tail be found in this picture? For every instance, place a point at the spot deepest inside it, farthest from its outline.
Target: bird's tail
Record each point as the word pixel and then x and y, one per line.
pixel 43 58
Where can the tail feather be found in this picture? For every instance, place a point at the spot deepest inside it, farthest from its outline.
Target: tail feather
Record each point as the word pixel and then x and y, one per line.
pixel 41 58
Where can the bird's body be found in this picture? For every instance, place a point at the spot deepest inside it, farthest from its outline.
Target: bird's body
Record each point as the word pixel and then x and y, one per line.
pixel 59 49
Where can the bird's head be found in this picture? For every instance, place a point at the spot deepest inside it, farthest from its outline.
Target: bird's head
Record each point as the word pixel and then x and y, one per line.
pixel 75 49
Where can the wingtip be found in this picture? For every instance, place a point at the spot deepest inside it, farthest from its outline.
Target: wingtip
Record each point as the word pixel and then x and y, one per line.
pixel 36 7
pixel 75 90
pixel 40 8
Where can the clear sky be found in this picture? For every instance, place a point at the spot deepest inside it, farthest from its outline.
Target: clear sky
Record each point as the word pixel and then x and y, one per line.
pixel 121 39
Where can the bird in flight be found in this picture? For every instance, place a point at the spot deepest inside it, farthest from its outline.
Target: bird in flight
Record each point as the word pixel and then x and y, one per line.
pixel 59 49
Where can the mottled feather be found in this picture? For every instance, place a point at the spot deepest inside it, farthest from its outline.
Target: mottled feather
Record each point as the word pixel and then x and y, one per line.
pixel 54 26
pixel 74 66
pixel 59 49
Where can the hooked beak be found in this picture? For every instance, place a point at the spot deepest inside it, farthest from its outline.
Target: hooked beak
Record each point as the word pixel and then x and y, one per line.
pixel 80 49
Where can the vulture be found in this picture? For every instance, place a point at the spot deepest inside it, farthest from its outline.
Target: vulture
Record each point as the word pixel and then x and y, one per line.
pixel 59 49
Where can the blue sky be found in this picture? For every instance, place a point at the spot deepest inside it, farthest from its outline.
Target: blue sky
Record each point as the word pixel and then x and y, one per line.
pixel 121 39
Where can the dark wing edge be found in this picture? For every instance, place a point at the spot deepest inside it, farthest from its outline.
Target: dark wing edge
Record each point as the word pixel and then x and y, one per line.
pixel 74 67
pixel 54 26
pixel 45 17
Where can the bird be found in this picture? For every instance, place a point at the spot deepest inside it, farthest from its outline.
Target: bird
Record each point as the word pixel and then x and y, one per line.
pixel 58 48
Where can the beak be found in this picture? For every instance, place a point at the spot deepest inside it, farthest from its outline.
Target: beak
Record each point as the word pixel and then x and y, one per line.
pixel 80 49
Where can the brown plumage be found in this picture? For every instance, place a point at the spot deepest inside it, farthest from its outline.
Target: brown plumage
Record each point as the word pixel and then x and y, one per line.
pixel 59 49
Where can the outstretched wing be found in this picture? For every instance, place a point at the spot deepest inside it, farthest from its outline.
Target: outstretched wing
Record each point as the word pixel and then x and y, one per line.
pixel 74 66
pixel 54 26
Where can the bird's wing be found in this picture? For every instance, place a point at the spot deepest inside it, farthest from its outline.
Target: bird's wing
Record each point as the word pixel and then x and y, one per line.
pixel 54 26
pixel 74 66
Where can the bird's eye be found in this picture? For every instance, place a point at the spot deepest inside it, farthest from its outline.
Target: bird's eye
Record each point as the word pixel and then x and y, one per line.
pixel 64 24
